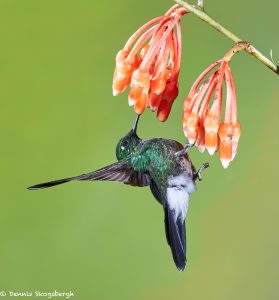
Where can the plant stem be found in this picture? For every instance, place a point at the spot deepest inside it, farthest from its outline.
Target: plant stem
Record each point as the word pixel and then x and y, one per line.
pixel 250 49
pixel 242 45
pixel 200 4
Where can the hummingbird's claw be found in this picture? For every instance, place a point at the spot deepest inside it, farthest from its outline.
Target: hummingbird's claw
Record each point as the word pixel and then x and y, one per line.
pixel 197 175
pixel 185 149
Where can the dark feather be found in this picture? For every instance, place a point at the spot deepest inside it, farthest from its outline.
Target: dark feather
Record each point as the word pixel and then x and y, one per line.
pixel 155 191
pixel 121 172
pixel 176 236
pixel 167 226
pixel 158 196
pixel 49 184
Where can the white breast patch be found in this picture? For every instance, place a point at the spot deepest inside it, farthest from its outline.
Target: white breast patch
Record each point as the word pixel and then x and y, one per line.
pixel 178 190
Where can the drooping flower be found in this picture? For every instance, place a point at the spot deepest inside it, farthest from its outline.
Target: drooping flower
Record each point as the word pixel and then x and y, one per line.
pixel 203 122
pixel 150 63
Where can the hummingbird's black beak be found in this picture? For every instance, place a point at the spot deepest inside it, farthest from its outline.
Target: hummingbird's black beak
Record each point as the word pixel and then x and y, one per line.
pixel 134 129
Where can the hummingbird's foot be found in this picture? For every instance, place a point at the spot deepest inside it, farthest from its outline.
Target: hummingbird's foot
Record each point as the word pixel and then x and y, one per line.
pixel 184 150
pixel 197 175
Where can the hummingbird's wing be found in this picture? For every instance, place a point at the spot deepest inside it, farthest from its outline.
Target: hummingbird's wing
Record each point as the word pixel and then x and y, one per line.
pixel 120 171
pixel 176 206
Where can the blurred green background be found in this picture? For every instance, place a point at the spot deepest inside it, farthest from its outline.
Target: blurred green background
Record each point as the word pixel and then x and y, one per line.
pixel 58 118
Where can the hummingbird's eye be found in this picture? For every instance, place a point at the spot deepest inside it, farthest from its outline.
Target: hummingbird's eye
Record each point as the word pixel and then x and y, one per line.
pixel 124 145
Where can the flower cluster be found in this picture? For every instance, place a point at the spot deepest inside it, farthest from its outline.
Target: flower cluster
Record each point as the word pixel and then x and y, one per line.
pixel 203 123
pixel 150 63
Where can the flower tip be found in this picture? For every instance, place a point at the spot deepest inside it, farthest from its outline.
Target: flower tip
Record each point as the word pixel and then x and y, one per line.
pixel 201 148
pixel 164 110
pixel 211 150
pixel 191 141
pixel 185 131
pixel 225 163
pixel 162 116
pixel 135 95
pixel 115 92
pixel 131 101
pixel 140 105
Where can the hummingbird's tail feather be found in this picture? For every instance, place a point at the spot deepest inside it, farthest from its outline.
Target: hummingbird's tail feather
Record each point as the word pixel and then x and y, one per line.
pixel 120 171
pixel 177 201
pixel 176 237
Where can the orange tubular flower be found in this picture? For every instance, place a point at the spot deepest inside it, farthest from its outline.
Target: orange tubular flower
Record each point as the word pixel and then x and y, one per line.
pixel 203 124
pixel 150 64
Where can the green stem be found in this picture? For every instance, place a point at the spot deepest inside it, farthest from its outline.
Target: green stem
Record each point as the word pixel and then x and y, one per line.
pixel 250 49
pixel 200 4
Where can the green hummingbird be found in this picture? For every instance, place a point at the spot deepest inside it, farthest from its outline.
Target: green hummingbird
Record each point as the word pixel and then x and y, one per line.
pixel 162 164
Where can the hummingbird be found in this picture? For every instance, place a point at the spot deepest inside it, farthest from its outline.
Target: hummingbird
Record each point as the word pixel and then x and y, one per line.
pixel 162 164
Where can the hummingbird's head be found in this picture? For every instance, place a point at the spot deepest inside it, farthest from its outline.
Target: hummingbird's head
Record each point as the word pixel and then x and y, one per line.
pixel 128 143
